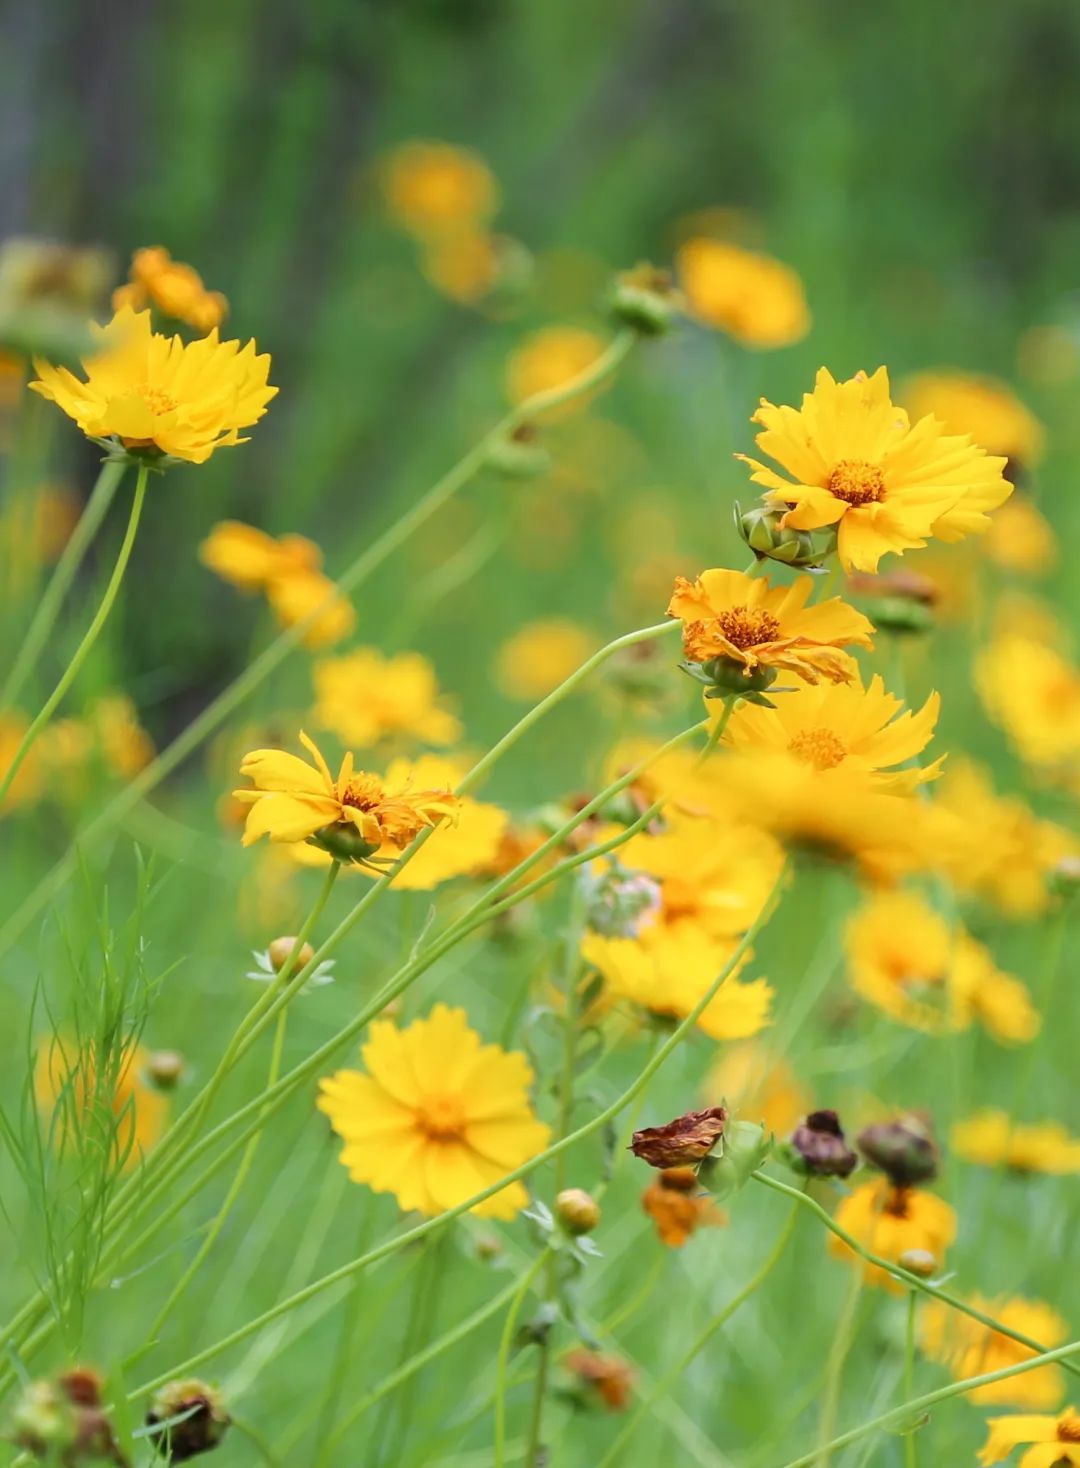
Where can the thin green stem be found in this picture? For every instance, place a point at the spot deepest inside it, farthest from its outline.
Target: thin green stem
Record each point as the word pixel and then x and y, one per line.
pixel 716 733
pixel 661 1388
pixel 67 568
pixel 840 1346
pixel 90 637
pixel 911 1452
pixel 519 1291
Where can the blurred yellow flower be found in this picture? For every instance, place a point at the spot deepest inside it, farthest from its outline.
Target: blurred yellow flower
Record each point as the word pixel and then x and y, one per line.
pixel 991 1138
pixel 27 784
pixel 755 299
pixel 906 959
pixel 287 570
pixel 464 267
pixel 760 1086
pixel 159 394
pixel 969 1348
pixel 859 464
pixel 984 408
pixel 66 1078
pixel 174 289
pixel 830 725
pixel 1033 693
pixel 433 189
pixel 550 358
pixel 743 621
pixel 1056 1439
pixel 353 815
pixel 889 1221
pixel 438 1117
pixel 1021 539
pixel 541 655
pixel 364 697
pixel 296 598
pixel 125 744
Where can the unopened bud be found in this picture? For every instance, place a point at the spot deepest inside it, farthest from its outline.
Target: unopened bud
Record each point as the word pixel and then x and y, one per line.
pixel 918 1261
pixel 762 531
pixel 646 299
pixel 281 950
pixel 519 454
pixel 682 1142
pixel 164 1069
pixel 818 1148
pixel 619 903
pixel 63 1421
pixel 905 1150
pixel 343 842
pixel 577 1211
pixel 900 616
pixel 724 676
pixel 199 1432
pixel 1065 876
pixel 745 1147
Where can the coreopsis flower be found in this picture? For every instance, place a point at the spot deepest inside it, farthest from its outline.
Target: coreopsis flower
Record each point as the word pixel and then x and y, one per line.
pixel 203 1419
pixel 742 623
pixel 683 1142
pixel 994 846
pixel 295 599
pixel 928 973
pixel 353 816
pixel 969 1348
pixel 541 655
pixel 858 463
pixel 158 396
pixel 991 1138
pixel 982 407
pixel 125 745
pixel 174 289
pixel 678 1206
pixel 1021 539
pixel 1055 1440
pixel 438 1116
pixel 890 1221
pixel 830 725
pixel 1032 691
pixel 68 1081
pixel 550 358
pixel 110 733
pixel 602 1375
pixel 433 190
pixel 364 697
pixel 27 784
pixel 759 1086
pixel 250 560
pixel 752 297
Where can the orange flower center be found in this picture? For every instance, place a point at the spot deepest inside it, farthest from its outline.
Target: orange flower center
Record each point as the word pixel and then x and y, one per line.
pixel 157 399
pixel 856 482
pixel 363 792
pixel 747 627
pixel 442 1118
pixel 1068 1428
pixel 818 747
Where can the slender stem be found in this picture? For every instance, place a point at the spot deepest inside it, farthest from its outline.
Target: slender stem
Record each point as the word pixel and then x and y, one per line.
pixel 918 1405
pixel 716 733
pixel 67 567
pixel 911 1452
pixel 365 565
pixel 661 1388
pixel 82 652
pixel 506 1344
pixel 421 1230
pixel 843 1338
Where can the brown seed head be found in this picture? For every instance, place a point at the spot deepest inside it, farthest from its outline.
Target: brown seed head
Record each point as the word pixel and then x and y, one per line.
pixel 682 1142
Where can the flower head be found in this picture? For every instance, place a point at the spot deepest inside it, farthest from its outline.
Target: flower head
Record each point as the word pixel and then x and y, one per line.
pixel 173 288
pixel 159 395
pixel 757 300
pixel 678 1206
pixel 549 359
pixel 890 1221
pixel 742 621
pixel 969 1348
pixel 858 463
pixel 204 1420
pixel 683 1142
pixel 353 815
pixel 981 407
pixel 818 1148
pixel 1056 1440
pixel 1021 539
pixel 437 1117
pixel 73 1083
pixel 1033 692
pixel 603 1375
pixel 991 1139
pixel 541 655
pixel 434 189
pixel 364 697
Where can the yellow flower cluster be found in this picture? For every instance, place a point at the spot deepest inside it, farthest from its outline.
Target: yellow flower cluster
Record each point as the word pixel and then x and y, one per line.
pixel 173 289
pixel 288 570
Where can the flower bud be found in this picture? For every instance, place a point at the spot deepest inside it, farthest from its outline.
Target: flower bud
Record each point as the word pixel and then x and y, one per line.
pixel 619 903
pixel 63 1421
pixel 646 299
pixel 577 1211
pixel 725 676
pixel 905 1150
pixel 682 1142
pixel 608 1376
pixel 918 1261
pixel 762 531
pixel 519 454
pixel 343 842
pixel 197 1433
pixel 900 616
pixel 745 1147
pixel 817 1147
pixel 164 1069
pixel 281 949
pixel 1064 878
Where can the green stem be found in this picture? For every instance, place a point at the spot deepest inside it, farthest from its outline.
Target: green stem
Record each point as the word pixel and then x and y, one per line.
pixel 843 1338
pixel 918 1405
pixel 82 652
pixel 911 1452
pixel 661 1388
pixel 67 567
pixel 518 1292
pixel 365 565
pixel 524 1169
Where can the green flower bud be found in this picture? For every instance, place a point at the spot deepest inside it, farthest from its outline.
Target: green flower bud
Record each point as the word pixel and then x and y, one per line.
pixel 900 615
pixel 519 454
pixel 743 1148
pixel 646 299
pixel 577 1211
pixel 344 842
pixel 762 531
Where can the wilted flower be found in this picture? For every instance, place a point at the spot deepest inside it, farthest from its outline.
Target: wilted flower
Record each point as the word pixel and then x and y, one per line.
pixel 682 1142
pixel 609 1377
pixel 817 1147
pixel 205 1420
pixel 905 1149
pixel 679 1206
pixel 63 1420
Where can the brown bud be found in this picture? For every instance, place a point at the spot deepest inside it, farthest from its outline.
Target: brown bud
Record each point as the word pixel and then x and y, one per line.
pixel 820 1148
pixel 905 1149
pixel 682 1142
pixel 280 951
pixel 197 1433
pixel 82 1386
pixel 164 1069
pixel 577 1211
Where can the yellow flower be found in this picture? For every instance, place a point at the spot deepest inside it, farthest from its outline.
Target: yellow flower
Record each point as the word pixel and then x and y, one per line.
pixel 250 560
pixel 1056 1439
pixel 541 655
pixel 1021 539
pixel 1033 693
pixel 550 358
pixel 464 267
pixel 68 1077
pixel 969 1348
pixel 364 697
pixel 994 845
pixel 828 726
pixel 905 958
pixel 156 393
pixel 759 1086
pixel 26 786
pixel 438 1117
pixel 889 1221
pixel 983 408
pixel 353 816
pixel 754 298
pixel 434 189
pixel 175 289
pixel 859 464
pixel 744 621
pixel 991 1139
pixel 295 598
